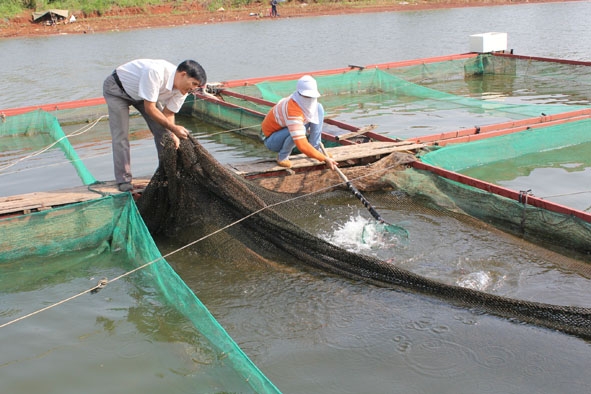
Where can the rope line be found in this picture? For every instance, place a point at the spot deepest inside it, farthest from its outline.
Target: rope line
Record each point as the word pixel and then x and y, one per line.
pixel 75 133
pixel 99 286
pixel 567 194
pixel 104 282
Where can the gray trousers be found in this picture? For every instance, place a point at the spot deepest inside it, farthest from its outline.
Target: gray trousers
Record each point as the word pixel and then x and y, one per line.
pixel 118 103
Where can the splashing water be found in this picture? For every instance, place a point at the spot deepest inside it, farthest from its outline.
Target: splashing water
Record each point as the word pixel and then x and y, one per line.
pixel 475 280
pixel 361 234
pixel 350 234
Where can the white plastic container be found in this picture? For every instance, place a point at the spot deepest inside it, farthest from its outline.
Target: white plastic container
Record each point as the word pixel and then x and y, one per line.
pixel 488 42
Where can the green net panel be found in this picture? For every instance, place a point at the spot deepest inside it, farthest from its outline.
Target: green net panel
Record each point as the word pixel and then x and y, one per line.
pixel 144 332
pixel 427 98
pixel 557 139
pixel 236 118
pixel 421 99
pixel 20 135
pixel 438 86
pixel 556 231
pixel 510 158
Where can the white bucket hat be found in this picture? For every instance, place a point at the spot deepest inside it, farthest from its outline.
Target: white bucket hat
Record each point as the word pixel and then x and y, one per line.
pixel 307 87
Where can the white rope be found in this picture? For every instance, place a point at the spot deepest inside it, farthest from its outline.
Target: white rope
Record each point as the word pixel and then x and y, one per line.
pixel 567 194
pixel 230 130
pixel 98 286
pixel 103 282
pixel 76 133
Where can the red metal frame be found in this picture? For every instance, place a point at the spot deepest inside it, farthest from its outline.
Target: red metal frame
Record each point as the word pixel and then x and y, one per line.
pixel 54 107
pixel 543 59
pixel 404 63
pixel 502 191
pixel 487 131
pixel 464 135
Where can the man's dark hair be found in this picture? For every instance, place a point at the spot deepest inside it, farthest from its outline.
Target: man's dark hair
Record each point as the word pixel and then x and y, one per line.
pixel 194 70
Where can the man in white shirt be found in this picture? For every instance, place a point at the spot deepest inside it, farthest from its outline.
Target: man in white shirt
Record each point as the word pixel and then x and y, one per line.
pixel 157 89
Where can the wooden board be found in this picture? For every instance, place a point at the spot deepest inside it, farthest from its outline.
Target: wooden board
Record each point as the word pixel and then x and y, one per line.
pixel 370 150
pixel 40 201
pixel 363 164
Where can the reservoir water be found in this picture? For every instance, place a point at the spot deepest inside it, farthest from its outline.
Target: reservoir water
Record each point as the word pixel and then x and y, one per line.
pixel 311 332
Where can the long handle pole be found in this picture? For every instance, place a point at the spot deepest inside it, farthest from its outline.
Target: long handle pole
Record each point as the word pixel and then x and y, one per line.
pixel 355 191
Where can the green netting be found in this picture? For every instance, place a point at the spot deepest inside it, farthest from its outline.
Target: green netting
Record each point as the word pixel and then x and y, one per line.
pixel 420 99
pixel 557 231
pixel 38 129
pixel 352 82
pixel 513 80
pixel 338 90
pixel 524 144
pixel 503 158
pixel 59 250
pixel 237 119
pixel 454 70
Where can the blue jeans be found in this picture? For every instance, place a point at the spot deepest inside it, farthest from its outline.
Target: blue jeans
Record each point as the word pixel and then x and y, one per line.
pixel 281 141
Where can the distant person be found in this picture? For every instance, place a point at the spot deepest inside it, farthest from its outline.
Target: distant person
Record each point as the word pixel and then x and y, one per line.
pixel 296 121
pixel 157 89
pixel 273 8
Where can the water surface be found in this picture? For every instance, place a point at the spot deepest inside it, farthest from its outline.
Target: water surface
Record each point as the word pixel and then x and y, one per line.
pixel 308 331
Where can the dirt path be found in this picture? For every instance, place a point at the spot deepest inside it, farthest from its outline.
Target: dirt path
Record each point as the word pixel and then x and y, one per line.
pixel 170 15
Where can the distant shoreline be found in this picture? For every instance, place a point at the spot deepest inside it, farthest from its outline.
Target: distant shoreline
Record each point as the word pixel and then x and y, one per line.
pixel 169 15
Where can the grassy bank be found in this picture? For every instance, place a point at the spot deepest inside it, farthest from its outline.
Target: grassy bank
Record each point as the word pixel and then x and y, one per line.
pixel 13 8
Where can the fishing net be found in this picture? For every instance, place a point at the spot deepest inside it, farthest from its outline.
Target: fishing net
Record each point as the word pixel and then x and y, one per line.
pixel 145 328
pixel 191 190
pixel 459 94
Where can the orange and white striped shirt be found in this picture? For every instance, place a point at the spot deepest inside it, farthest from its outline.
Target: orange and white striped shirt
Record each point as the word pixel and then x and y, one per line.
pixel 287 113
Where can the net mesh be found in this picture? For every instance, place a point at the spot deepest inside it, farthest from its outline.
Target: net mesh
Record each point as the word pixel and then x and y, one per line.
pixel 426 98
pixel 504 157
pixel 532 147
pixel 112 226
pixel 556 231
pixel 191 189
pixel 484 89
pixel 423 86
pixel 20 134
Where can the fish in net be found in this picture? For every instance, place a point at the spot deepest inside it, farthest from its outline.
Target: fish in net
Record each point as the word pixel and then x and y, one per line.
pixel 190 189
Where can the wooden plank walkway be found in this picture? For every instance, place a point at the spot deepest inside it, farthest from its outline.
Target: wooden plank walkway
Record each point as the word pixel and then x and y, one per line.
pixel 374 150
pixel 40 201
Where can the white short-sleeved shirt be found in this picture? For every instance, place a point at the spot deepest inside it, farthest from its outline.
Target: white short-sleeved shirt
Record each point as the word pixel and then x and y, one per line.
pixel 151 80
